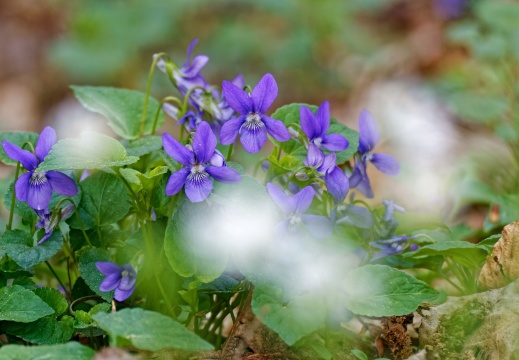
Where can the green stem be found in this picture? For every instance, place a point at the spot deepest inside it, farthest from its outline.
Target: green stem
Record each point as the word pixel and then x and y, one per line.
pixel 292 176
pixel 188 94
pixel 69 294
pixel 165 297
pixel 166 99
pixel 80 300
pixel 13 198
pixel 230 152
pixel 147 96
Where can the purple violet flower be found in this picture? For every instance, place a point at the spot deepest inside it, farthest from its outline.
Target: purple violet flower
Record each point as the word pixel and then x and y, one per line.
pixel 336 181
pixel 293 207
pixel 252 124
pixel 316 126
pixel 121 278
pixel 188 76
pixel 369 136
pixel 36 187
pixel 393 246
pixel 48 221
pixel 198 166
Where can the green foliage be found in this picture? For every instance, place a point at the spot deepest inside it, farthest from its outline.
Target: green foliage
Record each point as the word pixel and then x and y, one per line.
pixel 69 351
pixel 89 151
pixel 17 138
pixel 292 319
pixel 189 245
pixel 154 331
pixel 45 331
pixel 105 198
pixel 122 108
pixel 22 305
pixel 22 248
pixel 54 299
pixel 144 145
pixel 379 290
pixel 462 252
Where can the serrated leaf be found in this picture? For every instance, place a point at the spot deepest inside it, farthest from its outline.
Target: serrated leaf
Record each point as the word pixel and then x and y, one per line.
pixel 148 330
pixel 289 114
pixel 105 198
pixel 22 305
pixel 90 273
pixel 121 107
pixel 69 351
pixel 298 317
pixel 53 298
pixel 89 151
pixel 379 290
pixel 21 247
pixel 45 331
pixel 17 138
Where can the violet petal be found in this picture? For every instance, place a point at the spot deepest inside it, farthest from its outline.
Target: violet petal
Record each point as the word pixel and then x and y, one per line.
pixel 334 142
pixel 237 99
pixel 224 174
pixel 45 142
pixel 308 122
pixel 385 163
pixel 121 295
pixel 204 143
pixel 61 183
pixel 276 128
pixel 110 282
pixel 108 267
pixel 369 134
pixel 22 186
pixel 198 187
pixel 303 199
pixel 38 196
pixel 253 138
pixel 264 93
pixel 337 184
pixel 27 158
pixel 176 181
pixel 177 151
pixel 280 198
pixel 323 117
pixel 230 130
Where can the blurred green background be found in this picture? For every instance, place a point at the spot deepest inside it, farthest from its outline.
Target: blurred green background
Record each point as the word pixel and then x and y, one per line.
pixel 440 76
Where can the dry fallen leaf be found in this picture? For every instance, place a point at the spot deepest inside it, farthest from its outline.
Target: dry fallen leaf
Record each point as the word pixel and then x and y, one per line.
pixel 503 265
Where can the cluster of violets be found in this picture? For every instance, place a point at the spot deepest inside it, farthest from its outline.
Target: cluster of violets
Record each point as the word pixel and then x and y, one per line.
pixel 235 111
pixel 36 188
pixel 211 116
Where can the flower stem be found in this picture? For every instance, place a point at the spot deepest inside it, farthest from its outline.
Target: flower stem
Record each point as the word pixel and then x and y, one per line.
pixel 13 199
pixel 147 96
pixel 229 154
pixel 69 294
pixel 166 99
